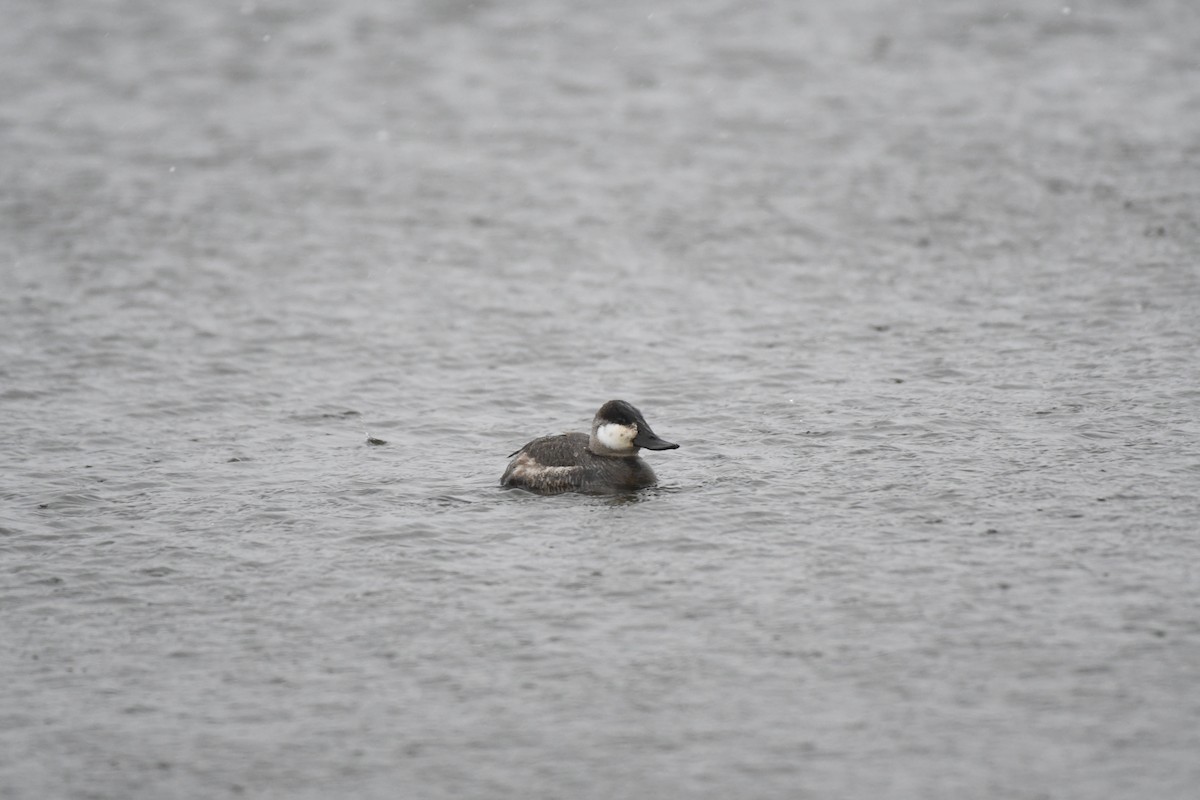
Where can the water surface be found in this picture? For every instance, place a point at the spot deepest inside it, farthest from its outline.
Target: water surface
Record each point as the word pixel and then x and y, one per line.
pixel 916 290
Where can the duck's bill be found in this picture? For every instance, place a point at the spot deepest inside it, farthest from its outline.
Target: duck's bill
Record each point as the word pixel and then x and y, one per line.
pixel 650 440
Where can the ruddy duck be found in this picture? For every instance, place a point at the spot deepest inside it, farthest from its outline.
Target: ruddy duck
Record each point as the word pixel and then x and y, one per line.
pixel 604 462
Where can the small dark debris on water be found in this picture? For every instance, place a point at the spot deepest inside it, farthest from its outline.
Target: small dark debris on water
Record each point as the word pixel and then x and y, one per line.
pixel 236 459
pixel 881 328
pixel 880 48
pixel 376 442
pixel 991 531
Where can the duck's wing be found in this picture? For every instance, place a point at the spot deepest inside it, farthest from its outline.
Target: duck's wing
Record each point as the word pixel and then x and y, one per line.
pixel 550 464
pixel 564 450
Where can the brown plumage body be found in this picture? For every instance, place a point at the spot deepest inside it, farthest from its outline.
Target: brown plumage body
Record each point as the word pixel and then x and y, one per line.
pixel 555 464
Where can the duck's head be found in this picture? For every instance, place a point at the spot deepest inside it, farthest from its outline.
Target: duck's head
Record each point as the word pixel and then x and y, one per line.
pixel 619 429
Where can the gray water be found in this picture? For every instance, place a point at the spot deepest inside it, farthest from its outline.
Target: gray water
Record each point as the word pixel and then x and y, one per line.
pixel 915 286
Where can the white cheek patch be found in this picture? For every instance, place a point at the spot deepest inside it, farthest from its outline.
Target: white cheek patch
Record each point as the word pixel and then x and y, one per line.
pixel 616 437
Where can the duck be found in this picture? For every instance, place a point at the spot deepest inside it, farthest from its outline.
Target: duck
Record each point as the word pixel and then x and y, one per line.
pixel 604 461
